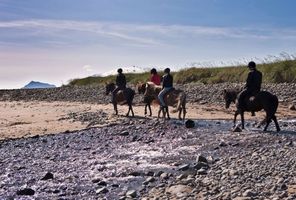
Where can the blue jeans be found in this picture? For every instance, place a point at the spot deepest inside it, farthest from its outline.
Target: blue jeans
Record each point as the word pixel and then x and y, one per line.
pixel 161 95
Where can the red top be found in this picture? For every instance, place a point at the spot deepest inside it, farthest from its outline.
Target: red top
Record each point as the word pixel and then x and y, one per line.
pixel 155 78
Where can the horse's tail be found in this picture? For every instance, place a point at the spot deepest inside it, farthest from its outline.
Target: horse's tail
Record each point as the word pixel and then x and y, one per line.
pixel 181 101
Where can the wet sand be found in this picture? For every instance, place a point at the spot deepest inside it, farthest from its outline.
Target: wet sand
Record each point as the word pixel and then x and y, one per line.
pixel 26 119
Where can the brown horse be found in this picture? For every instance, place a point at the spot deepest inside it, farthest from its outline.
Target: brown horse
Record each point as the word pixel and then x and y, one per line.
pixel 174 98
pixel 122 97
pixel 147 99
pixel 263 100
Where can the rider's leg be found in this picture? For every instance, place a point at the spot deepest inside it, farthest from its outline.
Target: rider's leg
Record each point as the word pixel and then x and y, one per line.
pixel 161 97
pixel 114 92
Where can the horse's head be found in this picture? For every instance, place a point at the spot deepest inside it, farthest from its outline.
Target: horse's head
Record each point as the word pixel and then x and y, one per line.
pixel 229 97
pixel 141 88
pixel 109 87
pixel 149 89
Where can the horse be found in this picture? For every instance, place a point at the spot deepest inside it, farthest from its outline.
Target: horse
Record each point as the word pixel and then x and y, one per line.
pixel 122 97
pixel 147 99
pixel 174 98
pixel 263 100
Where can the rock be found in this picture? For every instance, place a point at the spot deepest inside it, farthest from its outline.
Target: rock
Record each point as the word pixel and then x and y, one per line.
pixel 202 159
pixel 223 144
pixel 292 107
pixel 179 191
pixel 124 133
pixel 26 191
pixel 131 193
pixel 200 165
pixel 47 176
pixel 157 174
pixel 242 198
pixel 183 167
pixel 135 173
pixel 164 175
pixel 189 123
pixel 249 193
pixel 202 171
pixel 96 180
pixel 102 183
pixel 292 189
pixel 237 129
pixel 102 190
pixel 149 180
pixel 150 173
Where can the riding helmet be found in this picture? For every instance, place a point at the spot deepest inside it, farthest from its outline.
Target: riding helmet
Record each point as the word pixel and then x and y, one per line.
pixel 119 70
pixel 153 71
pixel 252 65
pixel 167 70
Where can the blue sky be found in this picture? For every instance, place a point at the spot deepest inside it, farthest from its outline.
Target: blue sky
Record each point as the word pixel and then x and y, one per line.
pixel 56 40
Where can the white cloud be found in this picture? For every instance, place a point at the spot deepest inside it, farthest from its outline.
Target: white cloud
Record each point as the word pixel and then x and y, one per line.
pixel 88 68
pixel 139 34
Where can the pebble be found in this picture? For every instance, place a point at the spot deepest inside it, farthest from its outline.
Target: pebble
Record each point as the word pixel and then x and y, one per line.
pixel 102 190
pixel 26 192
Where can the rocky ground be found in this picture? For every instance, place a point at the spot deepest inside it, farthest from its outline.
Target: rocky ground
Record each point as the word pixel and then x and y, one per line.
pixel 149 159
pixel 196 92
pixel 143 158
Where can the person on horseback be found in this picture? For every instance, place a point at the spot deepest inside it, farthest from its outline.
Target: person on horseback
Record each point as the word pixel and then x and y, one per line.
pixel 155 78
pixel 167 85
pixel 252 87
pixel 120 83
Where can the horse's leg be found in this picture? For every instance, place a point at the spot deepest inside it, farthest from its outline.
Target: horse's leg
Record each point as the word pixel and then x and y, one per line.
pixel 145 112
pixel 163 112
pixel 234 120
pixel 149 106
pixel 131 107
pixel 115 108
pixel 268 120
pixel 184 112
pixel 180 112
pixel 167 111
pixel 243 120
pixel 159 111
pixel 276 123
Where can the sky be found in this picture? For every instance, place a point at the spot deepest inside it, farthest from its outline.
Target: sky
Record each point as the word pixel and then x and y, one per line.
pixel 54 41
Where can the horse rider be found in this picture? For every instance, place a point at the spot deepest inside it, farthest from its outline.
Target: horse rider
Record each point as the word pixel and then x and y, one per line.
pixel 155 78
pixel 252 87
pixel 120 83
pixel 167 85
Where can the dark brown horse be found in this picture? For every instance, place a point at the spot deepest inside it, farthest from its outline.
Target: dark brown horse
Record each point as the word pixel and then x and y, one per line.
pixel 147 99
pixel 174 98
pixel 263 100
pixel 122 97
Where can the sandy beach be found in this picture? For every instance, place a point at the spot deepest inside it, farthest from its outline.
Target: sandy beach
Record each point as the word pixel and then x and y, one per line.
pixel 26 119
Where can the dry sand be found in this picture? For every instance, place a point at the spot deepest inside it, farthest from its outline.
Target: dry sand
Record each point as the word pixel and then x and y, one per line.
pixel 24 119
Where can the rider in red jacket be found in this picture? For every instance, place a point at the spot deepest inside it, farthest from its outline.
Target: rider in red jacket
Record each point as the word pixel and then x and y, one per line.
pixel 155 78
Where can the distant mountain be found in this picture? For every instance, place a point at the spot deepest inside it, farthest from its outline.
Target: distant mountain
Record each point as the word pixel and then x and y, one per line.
pixel 36 84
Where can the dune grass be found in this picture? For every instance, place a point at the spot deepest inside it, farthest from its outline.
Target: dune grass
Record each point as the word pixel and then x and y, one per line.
pixel 273 72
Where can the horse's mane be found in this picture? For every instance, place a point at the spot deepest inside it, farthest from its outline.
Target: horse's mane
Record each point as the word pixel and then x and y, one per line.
pixel 153 85
pixel 153 88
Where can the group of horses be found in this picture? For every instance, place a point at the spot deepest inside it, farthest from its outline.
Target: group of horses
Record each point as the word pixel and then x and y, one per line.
pixel 177 98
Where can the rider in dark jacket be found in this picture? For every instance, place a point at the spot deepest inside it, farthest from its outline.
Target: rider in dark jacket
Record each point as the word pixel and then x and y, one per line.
pixel 120 83
pixel 252 87
pixel 167 85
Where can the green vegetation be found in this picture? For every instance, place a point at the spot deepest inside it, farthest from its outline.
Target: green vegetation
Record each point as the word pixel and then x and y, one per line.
pixel 274 72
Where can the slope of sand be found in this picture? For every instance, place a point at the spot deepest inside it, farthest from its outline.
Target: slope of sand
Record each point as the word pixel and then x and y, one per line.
pixel 24 119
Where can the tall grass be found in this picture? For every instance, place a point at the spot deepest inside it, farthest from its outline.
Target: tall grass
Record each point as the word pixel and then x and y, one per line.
pixel 277 71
